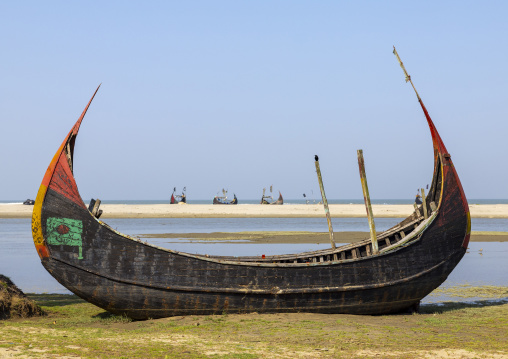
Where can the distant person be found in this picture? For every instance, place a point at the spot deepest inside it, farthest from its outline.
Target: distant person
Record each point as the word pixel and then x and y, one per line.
pixel 418 199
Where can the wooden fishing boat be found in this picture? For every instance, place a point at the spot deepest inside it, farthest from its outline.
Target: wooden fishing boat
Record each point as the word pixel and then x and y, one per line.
pixel 177 198
pixel 224 198
pixel 269 199
pixel 127 276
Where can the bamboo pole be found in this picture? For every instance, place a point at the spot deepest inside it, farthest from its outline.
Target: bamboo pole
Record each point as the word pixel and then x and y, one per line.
pixel 408 78
pixel 424 205
pixel 368 206
pixel 325 202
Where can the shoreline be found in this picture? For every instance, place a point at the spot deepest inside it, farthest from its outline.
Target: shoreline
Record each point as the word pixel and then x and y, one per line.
pixel 256 211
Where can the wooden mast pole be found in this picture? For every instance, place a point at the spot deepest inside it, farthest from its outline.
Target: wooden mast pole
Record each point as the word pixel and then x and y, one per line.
pixel 325 202
pixel 424 205
pixel 366 197
pixel 408 78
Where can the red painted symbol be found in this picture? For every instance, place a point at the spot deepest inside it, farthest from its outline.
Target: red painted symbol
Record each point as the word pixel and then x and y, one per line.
pixel 62 229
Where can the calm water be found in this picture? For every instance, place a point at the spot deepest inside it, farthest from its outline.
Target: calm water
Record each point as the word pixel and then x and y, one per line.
pixel 208 225
pixel 485 264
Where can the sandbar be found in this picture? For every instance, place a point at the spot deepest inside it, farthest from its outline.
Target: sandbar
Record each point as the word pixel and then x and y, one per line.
pixel 255 211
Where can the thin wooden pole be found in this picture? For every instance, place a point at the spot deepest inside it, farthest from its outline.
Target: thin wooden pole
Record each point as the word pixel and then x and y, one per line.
pixel 325 202
pixel 424 205
pixel 408 78
pixel 368 206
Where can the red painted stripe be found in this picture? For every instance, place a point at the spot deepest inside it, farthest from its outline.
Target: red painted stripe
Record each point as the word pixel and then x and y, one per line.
pixel 63 181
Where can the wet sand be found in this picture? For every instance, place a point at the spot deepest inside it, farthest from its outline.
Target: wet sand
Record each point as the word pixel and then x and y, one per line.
pixel 254 211
pixel 298 237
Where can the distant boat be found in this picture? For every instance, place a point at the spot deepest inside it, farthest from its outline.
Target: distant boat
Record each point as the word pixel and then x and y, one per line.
pixel 224 198
pixel 29 202
pixel 177 198
pixel 269 199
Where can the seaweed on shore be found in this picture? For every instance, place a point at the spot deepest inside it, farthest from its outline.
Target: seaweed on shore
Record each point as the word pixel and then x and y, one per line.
pixel 14 303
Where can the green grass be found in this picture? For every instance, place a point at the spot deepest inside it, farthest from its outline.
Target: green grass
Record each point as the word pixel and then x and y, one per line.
pixel 74 327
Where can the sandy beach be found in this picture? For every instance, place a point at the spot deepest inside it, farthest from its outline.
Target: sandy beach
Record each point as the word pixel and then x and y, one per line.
pixel 254 210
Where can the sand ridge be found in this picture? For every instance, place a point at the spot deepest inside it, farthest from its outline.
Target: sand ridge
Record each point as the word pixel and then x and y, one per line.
pixel 255 211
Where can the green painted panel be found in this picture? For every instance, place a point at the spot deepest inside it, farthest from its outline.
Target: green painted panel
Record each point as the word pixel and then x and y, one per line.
pixel 65 231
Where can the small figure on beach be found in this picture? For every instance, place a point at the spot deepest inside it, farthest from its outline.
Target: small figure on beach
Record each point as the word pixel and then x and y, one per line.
pixel 418 199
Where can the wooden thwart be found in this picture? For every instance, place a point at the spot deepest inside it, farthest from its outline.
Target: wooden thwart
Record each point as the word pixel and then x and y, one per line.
pixel 424 205
pixel 94 207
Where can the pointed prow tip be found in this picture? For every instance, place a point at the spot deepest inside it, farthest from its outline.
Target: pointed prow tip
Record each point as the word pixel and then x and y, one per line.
pixel 98 87
pixel 78 122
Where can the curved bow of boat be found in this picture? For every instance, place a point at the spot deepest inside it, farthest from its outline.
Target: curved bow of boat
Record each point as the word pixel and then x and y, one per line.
pixel 449 175
pixel 454 204
pixel 58 177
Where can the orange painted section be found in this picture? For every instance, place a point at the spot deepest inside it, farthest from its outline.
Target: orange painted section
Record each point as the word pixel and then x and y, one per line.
pixel 59 164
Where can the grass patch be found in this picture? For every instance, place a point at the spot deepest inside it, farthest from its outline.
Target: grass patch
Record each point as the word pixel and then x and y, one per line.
pixel 76 328
pixel 469 291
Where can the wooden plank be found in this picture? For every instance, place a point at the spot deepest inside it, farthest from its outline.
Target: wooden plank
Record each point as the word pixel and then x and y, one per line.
pixel 424 205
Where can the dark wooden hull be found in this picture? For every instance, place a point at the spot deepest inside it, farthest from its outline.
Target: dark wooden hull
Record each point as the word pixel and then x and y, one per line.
pixel 178 199
pixel 279 200
pixel 126 276
pixel 216 200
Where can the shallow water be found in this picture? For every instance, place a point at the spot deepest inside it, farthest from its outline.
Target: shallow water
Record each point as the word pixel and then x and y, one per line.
pixel 485 264
pixel 139 226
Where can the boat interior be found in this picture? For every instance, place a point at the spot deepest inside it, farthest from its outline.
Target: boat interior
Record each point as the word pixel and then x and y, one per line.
pixel 403 233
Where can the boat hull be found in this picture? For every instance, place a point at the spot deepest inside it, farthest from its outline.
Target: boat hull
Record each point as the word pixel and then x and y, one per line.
pixel 126 276
pixel 142 302
pixel 217 200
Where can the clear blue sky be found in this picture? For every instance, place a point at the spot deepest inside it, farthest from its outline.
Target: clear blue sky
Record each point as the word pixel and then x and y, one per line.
pixel 242 94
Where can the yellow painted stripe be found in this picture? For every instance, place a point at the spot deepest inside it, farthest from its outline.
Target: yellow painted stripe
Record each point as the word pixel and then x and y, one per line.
pixel 36 216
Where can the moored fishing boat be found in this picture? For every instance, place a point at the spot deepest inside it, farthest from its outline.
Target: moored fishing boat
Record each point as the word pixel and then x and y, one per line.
pixel 177 198
pixel 127 276
pixel 224 198
pixel 269 199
